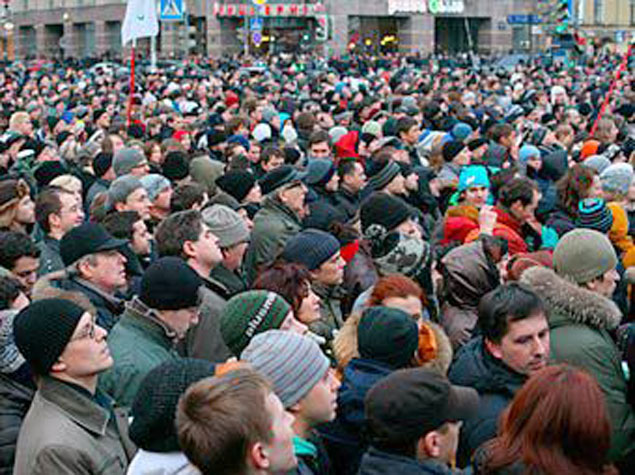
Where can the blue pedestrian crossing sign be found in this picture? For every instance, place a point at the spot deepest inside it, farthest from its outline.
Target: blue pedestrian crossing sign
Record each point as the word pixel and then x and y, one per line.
pixel 171 10
pixel 255 23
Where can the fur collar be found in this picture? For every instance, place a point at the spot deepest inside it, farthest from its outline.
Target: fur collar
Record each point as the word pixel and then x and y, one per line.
pixel 570 301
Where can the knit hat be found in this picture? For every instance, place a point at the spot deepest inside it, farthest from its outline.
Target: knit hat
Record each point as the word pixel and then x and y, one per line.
pixel 372 127
pixel 584 254
pixel 154 407
pixel 589 148
pixel 249 313
pixel 381 176
pixel 384 210
pixel 293 363
pixel 472 176
pixel 461 131
pixel 594 214
pixel 154 184
pixel 396 253
pixel 226 224
pixel 10 358
pixel 88 238
pixel 170 284
pixel 476 143
pixel 279 177
pixel 599 163
pixel 527 152
pixel 311 248
pixel 387 335
pixel 206 172
pixel 97 113
pixel 319 172
pixel 617 178
pixel 175 166
pixel 337 132
pixel 101 163
pixel 43 329
pixel 121 188
pixel 126 159
pixel 237 183
pixel 451 149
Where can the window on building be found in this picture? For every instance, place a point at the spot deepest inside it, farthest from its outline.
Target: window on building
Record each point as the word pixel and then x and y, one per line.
pixel 632 15
pixel 598 11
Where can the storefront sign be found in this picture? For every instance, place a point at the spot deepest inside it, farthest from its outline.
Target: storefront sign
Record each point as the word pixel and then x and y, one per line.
pixel 269 10
pixel 406 6
pixel 446 6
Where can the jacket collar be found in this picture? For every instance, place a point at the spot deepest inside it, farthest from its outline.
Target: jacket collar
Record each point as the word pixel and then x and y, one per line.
pixel 75 404
pixel 109 300
pixel 271 202
pixel 571 303
pixel 141 316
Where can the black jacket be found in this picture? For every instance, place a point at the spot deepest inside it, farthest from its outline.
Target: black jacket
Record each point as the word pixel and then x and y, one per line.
pixel 377 462
pixel 15 400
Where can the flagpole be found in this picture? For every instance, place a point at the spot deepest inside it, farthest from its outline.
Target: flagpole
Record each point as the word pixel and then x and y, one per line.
pixel 132 85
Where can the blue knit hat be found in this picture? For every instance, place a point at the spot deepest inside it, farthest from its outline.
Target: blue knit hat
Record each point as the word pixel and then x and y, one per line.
pixel 461 131
pixel 472 176
pixel 528 151
pixel 311 248
pixel 594 214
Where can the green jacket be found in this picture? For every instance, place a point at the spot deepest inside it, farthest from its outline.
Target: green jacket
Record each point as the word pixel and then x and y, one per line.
pixel 67 431
pixel 138 343
pixel 274 225
pixel 580 321
pixel 331 319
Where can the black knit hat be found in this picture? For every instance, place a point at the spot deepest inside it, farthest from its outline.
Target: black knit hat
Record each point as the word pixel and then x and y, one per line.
pixel 47 172
pixel 387 335
pixel 86 239
pixel 310 248
pixel 385 210
pixel 237 183
pixel 62 137
pixel 98 113
pixel 452 149
pixel 175 166
pixel 154 407
pixel 101 163
pixel 476 143
pixel 170 284
pixel 43 329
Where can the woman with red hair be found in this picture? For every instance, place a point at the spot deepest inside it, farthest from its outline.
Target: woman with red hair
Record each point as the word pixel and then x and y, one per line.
pixel 556 424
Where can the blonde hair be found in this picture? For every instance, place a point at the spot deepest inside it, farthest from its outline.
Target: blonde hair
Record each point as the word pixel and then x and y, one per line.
pixel 69 183
pixel 18 118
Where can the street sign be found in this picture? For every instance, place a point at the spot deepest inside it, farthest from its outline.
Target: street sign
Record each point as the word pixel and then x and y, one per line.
pixel 256 24
pixel 171 10
pixel 256 37
pixel 523 19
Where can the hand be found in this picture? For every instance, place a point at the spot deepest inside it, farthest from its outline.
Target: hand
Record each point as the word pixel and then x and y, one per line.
pixel 487 219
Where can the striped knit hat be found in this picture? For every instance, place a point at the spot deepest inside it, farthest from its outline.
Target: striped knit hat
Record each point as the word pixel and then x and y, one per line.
pixel 292 362
pixel 380 176
pixel 594 214
pixel 249 313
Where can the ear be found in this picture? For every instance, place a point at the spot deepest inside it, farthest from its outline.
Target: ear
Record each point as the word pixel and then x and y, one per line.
pixel 119 206
pixel 54 220
pixel 59 366
pixel 258 456
pixel 189 249
pixel 493 348
pixel 431 444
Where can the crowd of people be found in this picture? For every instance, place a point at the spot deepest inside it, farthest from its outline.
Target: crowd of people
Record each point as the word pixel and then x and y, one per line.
pixel 360 265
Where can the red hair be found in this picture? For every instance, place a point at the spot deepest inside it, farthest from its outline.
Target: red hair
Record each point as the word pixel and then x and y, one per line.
pixel 557 423
pixel 395 285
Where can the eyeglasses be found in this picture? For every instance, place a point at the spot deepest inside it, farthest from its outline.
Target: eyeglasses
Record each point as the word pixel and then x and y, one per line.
pixel 87 332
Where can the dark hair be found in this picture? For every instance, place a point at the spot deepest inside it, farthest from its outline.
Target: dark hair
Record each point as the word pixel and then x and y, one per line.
pixel 498 131
pixel 175 230
pixel 120 223
pixel 187 195
pixel 290 281
pixel 234 124
pixel 346 167
pixel 269 152
pixel 13 246
pixel 517 189
pixel 506 303
pixel 9 291
pixel 319 136
pixel 404 125
pixel 556 423
pixel 47 203
pixel 573 187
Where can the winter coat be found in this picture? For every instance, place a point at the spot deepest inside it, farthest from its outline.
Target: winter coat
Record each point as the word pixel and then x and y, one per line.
pixel 156 463
pixel 138 343
pixel 468 274
pixel 67 431
pixel 232 280
pixel 377 462
pixel 560 221
pixel 496 384
pixel 99 186
pixel 274 225
pixel 331 319
pixel 15 400
pixel 580 322
pixel 50 258
pixel 359 275
pixel 348 202
pixel 344 437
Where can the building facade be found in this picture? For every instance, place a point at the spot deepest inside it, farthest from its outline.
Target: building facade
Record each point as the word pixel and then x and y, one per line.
pixel 608 20
pixel 92 28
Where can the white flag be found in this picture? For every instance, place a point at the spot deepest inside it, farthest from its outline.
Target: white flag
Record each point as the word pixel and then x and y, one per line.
pixel 140 21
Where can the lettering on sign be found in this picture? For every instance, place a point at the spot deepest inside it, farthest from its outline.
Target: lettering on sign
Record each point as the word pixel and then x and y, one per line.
pixel 406 6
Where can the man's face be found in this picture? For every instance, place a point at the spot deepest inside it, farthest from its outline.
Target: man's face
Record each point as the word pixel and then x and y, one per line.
pixel 254 153
pixel 331 272
pixel 280 448
pixel 477 195
pixel 109 271
pixel 117 144
pixel 275 161
pixel 86 354
pixel 207 249
pixel 138 201
pixel 526 213
pixel 181 320
pixel 25 271
pixel 356 180
pixel 320 403
pixel 104 121
pixel 320 150
pixel 140 170
pixel 412 135
pixel 293 196
pixel 605 284
pixel 163 199
pixel 333 184
pixel 25 214
pixel 410 228
pixel 397 186
pixel 140 242
pixel 525 346
pixel 71 213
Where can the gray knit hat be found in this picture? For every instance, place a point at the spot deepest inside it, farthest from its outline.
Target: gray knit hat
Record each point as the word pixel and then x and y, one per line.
pixel 121 188
pixel 126 159
pixel 292 362
pixel 154 184
pixel 617 178
pixel 382 177
pixel 599 163
pixel 583 255
pixel 226 224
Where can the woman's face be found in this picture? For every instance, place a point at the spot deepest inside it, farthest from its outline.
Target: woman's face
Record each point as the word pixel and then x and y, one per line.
pixel 595 191
pixel 411 305
pixel 309 310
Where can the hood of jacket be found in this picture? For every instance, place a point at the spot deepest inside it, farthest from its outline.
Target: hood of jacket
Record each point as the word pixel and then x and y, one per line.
pixel 475 367
pixel 569 303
